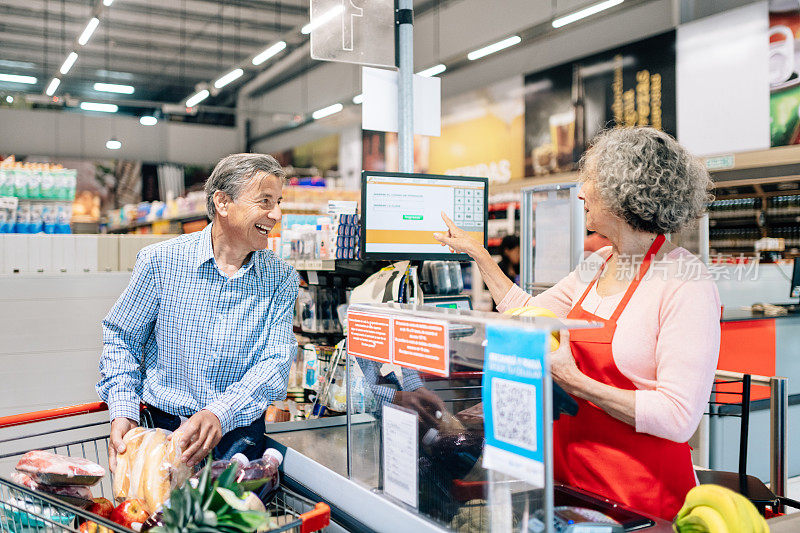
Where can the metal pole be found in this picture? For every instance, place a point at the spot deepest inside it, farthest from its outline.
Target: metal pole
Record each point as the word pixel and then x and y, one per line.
pixel 778 409
pixel 526 244
pixel 549 496
pixel 349 405
pixel 405 89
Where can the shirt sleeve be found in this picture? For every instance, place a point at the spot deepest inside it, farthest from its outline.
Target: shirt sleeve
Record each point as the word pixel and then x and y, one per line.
pixel 126 329
pixel 266 381
pixel 686 358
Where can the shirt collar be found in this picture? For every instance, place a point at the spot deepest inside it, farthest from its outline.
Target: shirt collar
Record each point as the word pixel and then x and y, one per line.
pixel 205 252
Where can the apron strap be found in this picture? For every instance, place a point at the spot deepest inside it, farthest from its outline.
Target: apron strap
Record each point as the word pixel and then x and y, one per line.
pixel 643 268
pixel 591 284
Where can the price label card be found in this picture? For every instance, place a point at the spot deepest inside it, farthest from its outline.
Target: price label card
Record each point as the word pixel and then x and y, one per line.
pixel 400 454
pixel 369 336
pixel 422 345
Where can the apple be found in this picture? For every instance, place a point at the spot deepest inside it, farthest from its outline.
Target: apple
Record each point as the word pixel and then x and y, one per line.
pixel 129 512
pixel 92 527
pixel 101 507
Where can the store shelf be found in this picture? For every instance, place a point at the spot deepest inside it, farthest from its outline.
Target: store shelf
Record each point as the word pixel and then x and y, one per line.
pixel 313 264
pixel 182 218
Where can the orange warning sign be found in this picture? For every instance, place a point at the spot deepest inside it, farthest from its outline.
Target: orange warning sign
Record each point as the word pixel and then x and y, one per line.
pixel 369 336
pixel 422 344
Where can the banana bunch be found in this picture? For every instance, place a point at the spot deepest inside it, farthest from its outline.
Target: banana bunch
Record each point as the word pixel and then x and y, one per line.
pixel 537 311
pixel 715 509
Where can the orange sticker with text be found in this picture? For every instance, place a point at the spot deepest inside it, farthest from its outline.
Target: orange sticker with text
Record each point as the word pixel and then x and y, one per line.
pixel 369 336
pixel 423 345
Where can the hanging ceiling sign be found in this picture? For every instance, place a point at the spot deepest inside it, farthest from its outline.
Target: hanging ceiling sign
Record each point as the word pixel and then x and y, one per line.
pixel 353 31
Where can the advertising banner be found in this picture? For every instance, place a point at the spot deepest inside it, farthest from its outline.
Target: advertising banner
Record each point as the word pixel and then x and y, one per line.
pixel 784 72
pixel 565 106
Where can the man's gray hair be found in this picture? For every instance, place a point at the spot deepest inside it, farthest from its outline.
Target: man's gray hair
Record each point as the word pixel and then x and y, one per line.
pixel 233 172
pixel 647 178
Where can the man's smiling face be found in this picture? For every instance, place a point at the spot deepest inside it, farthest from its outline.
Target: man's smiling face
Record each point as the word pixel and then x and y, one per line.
pixel 256 211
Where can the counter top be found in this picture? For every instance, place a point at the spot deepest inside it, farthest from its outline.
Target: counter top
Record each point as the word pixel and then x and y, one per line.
pixel 738 315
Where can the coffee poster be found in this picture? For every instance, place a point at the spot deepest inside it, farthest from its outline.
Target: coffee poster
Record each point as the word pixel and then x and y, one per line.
pixel 784 72
pixel 565 106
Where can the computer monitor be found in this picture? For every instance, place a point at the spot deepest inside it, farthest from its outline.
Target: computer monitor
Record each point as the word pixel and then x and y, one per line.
pixel 794 291
pixel 400 212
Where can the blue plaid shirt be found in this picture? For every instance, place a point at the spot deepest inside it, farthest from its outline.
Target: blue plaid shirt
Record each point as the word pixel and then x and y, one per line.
pixel 184 337
pixel 385 394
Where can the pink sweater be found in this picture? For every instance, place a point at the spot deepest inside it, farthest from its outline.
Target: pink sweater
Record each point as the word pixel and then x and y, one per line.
pixel 667 338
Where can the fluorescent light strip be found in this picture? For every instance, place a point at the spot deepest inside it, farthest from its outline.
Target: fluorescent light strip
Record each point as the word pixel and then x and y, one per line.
pixel 148 120
pixel 326 111
pixel 197 98
pixel 322 19
pixel 432 71
pixel 71 58
pixel 229 77
pixel 492 48
pixel 16 78
pixel 269 52
pixel 358 99
pixel 583 13
pixel 96 106
pixel 113 144
pixel 88 31
pixel 108 2
pixel 113 88
pixel 51 89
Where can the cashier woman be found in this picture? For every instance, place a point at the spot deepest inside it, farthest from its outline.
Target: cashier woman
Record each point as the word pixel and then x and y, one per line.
pixel 643 379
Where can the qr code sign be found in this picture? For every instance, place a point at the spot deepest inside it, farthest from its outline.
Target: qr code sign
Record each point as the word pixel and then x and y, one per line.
pixel 514 413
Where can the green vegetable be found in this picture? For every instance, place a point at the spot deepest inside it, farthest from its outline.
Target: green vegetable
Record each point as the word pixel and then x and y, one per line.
pixel 204 509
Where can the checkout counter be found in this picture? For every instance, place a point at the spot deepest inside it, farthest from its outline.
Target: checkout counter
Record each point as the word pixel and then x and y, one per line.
pixel 380 472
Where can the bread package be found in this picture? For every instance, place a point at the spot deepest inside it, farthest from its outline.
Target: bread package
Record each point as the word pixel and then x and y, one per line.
pixel 149 468
pixel 52 469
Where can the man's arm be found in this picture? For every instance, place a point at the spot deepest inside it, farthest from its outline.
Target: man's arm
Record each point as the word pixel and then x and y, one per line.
pixel 244 401
pixel 126 329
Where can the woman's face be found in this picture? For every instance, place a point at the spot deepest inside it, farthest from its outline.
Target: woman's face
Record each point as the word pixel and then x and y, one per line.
pixel 597 216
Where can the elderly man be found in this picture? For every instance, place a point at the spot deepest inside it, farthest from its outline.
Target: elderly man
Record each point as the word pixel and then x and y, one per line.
pixel 203 332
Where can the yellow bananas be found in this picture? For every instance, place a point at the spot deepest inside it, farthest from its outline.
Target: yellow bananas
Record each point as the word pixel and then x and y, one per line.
pixel 715 509
pixel 537 311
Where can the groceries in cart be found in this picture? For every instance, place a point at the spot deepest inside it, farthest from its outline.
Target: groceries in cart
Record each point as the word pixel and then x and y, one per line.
pixel 149 468
pixel 66 478
pixel 260 476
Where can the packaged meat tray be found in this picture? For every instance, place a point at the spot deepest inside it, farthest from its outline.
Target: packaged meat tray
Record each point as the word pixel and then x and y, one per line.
pixel 51 469
pixel 77 495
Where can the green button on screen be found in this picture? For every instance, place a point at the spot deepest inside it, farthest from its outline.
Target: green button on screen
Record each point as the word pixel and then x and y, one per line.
pixel 412 217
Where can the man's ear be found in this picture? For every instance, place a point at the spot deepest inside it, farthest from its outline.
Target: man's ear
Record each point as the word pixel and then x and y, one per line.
pixel 221 201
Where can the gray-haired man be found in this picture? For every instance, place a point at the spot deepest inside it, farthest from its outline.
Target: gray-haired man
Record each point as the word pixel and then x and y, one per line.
pixel 204 329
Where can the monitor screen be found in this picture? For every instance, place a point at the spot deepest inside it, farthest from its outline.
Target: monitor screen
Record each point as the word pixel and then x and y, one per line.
pixel 795 289
pixel 400 213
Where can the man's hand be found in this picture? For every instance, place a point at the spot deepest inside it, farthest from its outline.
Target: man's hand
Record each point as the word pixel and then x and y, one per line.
pixel 423 401
pixel 198 436
pixel 119 428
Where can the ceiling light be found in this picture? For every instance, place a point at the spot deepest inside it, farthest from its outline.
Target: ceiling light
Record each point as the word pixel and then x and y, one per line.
pixel 71 58
pixel 10 99
pixel 229 77
pixel 326 111
pixel 96 106
pixel 113 74
pixel 358 99
pixel 433 71
pixel 197 98
pixel 108 2
pixel 88 31
pixel 322 19
pixel 583 13
pixel 492 48
pixel 15 78
pixel 113 88
pixel 54 83
pixel 147 120
pixel 16 64
pixel 113 144
pixel 269 52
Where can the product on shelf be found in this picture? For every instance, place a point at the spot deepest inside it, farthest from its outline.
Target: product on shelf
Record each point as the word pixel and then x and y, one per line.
pixel 36 185
pixel 348 237
pixel 306 237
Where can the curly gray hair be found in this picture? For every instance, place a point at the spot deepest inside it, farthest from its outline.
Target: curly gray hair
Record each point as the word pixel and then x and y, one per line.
pixel 234 171
pixel 646 178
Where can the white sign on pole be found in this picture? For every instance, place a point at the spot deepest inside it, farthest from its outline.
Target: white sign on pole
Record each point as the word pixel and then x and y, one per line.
pixel 379 110
pixel 353 31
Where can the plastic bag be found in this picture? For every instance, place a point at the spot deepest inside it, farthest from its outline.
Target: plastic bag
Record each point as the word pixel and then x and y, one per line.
pixel 78 495
pixel 259 475
pixel 150 467
pixel 53 469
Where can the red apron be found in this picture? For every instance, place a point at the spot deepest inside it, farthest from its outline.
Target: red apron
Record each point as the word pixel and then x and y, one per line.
pixel 598 453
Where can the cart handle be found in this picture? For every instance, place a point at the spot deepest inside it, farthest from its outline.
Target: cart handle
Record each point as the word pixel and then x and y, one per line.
pixel 317 519
pixel 52 414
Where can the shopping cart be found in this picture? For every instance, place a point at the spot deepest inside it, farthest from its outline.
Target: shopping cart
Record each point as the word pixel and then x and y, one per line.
pixel 23 510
